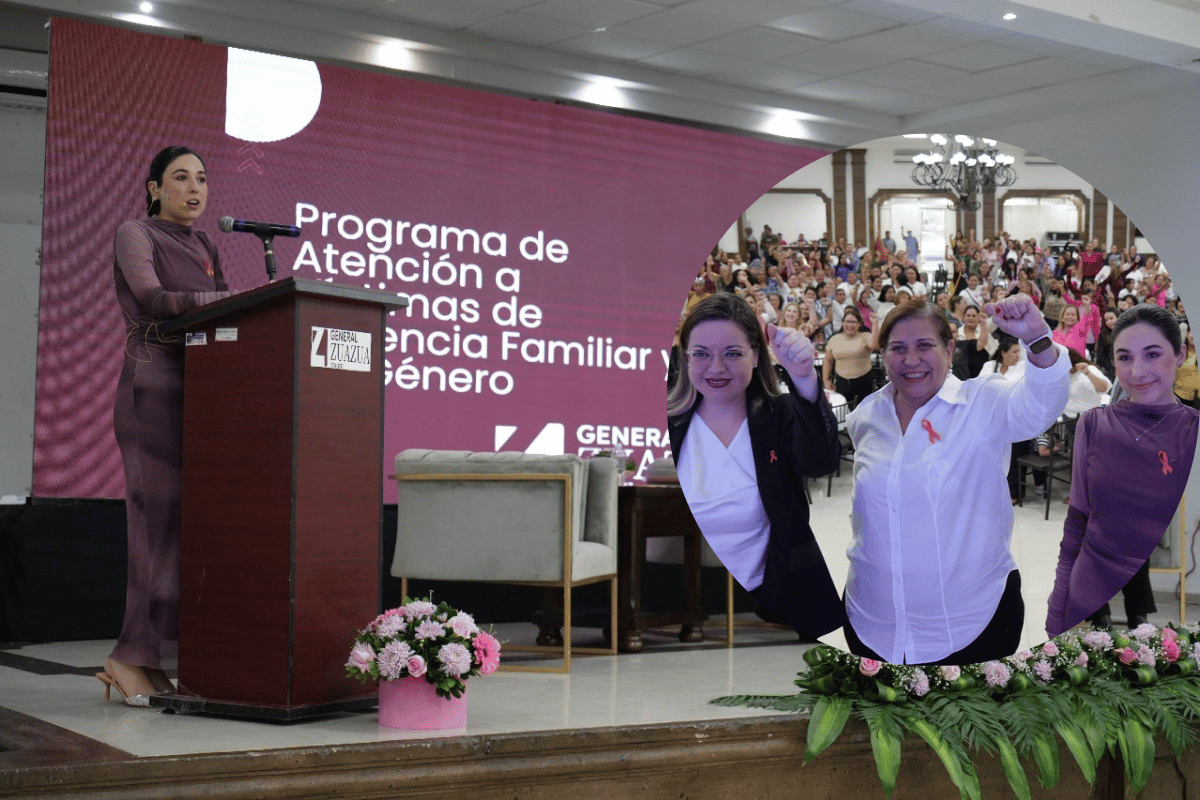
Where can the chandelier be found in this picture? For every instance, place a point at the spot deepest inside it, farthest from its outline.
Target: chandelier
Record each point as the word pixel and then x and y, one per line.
pixel 963 166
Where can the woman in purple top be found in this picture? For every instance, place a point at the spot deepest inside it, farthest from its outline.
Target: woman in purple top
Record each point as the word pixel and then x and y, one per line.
pixel 162 268
pixel 1131 464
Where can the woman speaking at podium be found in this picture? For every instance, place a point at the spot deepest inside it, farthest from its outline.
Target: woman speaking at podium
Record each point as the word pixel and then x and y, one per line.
pixel 162 268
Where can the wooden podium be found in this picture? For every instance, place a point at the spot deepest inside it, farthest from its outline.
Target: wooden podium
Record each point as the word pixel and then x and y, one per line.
pixel 282 498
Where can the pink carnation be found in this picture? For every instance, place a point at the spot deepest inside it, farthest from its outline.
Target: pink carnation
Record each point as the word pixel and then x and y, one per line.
pixel 428 629
pixel 1144 632
pixel 1043 670
pixel 1127 655
pixel 1169 633
pixel 416 666
pixel 420 608
pixel 1082 660
pixel 1050 649
pixel 394 624
pixel 1098 640
pixel 487 652
pixel 1170 650
pixel 869 667
pixel 455 659
pixel 996 674
pixel 951 673
pixel 919 685
pixel 361 657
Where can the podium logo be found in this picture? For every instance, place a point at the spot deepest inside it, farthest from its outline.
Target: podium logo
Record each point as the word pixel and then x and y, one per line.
pixel 550 441
pixel 337 349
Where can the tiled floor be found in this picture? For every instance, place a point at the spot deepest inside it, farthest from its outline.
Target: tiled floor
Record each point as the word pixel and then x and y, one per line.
pixel 668 682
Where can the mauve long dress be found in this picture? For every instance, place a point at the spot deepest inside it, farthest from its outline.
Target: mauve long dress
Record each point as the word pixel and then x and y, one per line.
pixel 1130 466
pixel 161 270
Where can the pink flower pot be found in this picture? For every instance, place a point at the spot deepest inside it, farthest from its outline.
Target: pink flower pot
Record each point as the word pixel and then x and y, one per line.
pixel 413 704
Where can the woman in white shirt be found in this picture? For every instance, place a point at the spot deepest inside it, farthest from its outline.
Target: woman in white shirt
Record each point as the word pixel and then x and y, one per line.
pixel 1088 385
pixel 931 577
pixel 743 450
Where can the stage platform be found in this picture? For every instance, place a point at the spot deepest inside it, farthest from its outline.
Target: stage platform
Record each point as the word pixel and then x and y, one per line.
pixel 617 726
pixel 632 725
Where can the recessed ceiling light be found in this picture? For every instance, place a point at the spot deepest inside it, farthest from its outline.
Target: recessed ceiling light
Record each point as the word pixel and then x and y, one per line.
pixel 146 8
pixel 1010 16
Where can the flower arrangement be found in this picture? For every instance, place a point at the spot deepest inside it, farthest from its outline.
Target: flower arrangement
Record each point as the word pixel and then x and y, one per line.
pixel 420 639
pixel 1098 691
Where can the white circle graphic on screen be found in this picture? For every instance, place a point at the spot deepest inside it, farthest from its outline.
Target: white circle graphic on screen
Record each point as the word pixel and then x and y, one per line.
pixel 269 98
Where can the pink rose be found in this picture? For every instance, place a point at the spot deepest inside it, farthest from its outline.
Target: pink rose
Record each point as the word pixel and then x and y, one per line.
pixel 1127 656
pixel 416 666
pixel 1022 656
pixel 463 625
pixel 1146 656
pixel 951 673
pixel 1170 650
pixel 361 657
pixel 1082 660
pixel 1050 649
pixel 869 667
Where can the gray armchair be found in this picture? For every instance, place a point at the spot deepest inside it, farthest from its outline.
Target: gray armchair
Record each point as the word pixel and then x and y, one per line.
pixel 510 518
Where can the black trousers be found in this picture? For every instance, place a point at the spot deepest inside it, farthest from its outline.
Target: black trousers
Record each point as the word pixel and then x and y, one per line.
pixel 854 389
pixel 999 639
pixel 1137 594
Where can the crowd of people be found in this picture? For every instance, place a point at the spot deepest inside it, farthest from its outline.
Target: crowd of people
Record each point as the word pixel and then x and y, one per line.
pixel 818 286
pixel 942 374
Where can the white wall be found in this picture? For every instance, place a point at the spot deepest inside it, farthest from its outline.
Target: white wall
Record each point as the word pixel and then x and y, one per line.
pixel 23 143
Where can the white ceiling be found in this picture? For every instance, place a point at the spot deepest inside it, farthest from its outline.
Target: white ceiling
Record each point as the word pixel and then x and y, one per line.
pixel 828 72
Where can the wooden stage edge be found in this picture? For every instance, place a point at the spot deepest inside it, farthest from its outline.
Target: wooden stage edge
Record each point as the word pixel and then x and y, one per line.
pixel 729 758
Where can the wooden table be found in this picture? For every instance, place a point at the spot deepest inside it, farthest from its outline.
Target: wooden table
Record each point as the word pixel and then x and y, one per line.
pixel 645 511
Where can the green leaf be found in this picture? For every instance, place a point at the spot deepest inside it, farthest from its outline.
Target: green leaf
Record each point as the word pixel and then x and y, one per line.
pixel 1045 757
pixel 962 775
pixel 1013 770
pixel 1137 748
pixel 885 744
pixel 1090 726
pixel 1077 742
pixel 829 717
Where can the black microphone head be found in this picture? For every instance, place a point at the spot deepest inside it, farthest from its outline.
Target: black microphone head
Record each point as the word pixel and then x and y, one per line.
pixel 225 224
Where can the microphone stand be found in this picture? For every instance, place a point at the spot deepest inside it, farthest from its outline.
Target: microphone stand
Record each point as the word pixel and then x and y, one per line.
pixel 268 241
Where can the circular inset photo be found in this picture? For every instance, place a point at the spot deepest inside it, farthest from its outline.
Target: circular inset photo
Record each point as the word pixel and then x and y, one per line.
pixel 935 399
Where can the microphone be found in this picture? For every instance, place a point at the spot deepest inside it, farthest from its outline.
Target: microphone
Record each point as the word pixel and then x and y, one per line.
pixel 260 229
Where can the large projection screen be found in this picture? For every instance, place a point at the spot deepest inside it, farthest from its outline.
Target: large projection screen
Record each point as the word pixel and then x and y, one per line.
pixel 546 250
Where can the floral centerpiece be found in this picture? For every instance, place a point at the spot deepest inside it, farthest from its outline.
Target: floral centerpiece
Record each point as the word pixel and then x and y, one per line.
pixel 1097 691
pixel 423 640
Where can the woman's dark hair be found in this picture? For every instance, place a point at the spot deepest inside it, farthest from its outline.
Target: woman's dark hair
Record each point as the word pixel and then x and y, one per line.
pixel 852 311
pixel 1160 318
pixel 916 308
pixel 730 308
pixel 1005 343
pixel 1077 357
pixel 883 298
pixel 159 166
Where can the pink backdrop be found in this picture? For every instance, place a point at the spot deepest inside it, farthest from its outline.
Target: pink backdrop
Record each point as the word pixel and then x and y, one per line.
pixel 636 205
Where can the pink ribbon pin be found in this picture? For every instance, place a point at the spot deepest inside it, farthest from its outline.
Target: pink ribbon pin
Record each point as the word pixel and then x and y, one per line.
pixel 1167 468
pixel 774 457
pixel 934 436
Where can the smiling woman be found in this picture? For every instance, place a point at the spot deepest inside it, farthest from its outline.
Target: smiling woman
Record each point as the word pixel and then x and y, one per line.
pixel 1114 523
pixel 931 576
pixel 743 450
